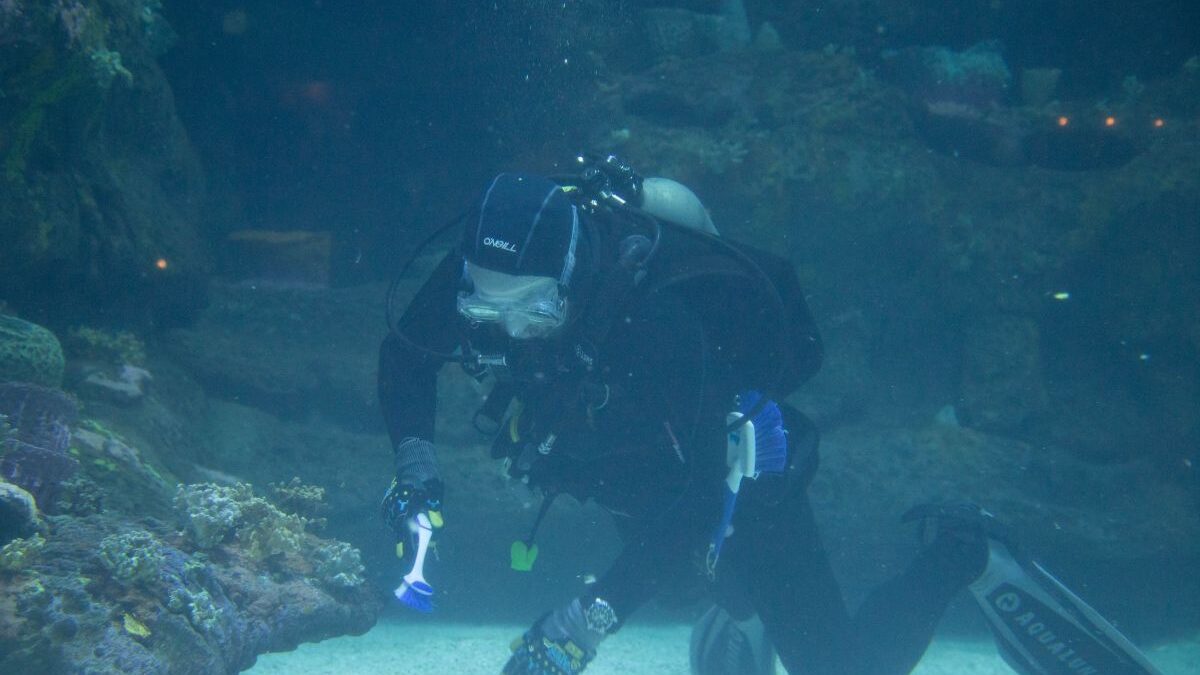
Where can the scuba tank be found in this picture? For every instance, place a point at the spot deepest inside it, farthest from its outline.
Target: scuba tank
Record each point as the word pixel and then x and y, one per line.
pixel 674 202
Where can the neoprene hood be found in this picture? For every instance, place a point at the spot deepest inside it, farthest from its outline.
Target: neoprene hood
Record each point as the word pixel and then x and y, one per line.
pixel 526 226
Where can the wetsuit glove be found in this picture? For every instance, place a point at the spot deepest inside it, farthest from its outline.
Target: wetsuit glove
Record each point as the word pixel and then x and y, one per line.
pixel 416 488
pixel 564 641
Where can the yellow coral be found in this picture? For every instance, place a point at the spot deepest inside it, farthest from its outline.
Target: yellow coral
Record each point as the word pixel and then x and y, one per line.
pixel 134 627
pixel 16 555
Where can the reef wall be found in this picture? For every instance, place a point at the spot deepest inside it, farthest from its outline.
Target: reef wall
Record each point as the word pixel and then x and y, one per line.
pixel 100 190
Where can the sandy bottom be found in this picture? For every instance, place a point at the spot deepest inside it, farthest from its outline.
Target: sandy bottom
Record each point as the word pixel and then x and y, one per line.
pixel 401 647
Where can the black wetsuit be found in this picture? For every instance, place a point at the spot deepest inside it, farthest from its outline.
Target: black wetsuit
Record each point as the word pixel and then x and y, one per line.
pixel 652 450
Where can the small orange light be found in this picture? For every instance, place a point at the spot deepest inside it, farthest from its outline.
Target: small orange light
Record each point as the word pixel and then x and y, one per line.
pixel 161 263
pixel 1159 123
pixel 1063 121
pixel 1110 121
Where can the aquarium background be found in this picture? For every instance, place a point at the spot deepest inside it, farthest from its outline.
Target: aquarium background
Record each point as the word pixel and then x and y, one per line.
pixel 994 207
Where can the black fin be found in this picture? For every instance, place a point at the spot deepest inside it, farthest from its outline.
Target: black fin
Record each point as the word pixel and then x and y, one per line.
pixel 722 645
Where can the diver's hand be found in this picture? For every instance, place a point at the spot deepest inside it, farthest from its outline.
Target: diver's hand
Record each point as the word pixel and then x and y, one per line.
pixel 536 654
pixel 404 500
pixel 417 487
pixel 564 641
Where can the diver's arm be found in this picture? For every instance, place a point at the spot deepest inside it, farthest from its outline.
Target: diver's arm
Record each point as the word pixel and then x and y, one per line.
pixel 676 384
pixel 661 550
pixel 801 334
pixel 407 377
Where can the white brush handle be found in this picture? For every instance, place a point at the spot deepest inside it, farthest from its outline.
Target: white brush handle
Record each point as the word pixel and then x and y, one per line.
pixel 424 533
pixel 733 480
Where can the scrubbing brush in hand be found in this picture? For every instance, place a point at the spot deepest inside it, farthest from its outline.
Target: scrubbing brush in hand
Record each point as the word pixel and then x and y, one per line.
pixel 770 436
pixel 755 446
pixel 414 591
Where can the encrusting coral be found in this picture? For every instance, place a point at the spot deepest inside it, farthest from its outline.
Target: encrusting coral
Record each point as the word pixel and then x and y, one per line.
pixel 16 554
pixel 210 512
pixel 214 512
pixel 266 531
pixel 113 347
pixel 339 565
pixel 29 353
pixel 131 557
pixel 301 499
pixel 198 606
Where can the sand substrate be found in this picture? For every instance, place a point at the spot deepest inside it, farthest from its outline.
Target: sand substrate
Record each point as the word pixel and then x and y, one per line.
pixel 400 647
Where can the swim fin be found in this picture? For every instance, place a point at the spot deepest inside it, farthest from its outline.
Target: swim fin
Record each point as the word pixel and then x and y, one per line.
pixel 1042 628
pixel 722 645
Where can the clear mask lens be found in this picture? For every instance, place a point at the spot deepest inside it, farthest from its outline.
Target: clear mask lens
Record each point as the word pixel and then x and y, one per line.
pixel 527 307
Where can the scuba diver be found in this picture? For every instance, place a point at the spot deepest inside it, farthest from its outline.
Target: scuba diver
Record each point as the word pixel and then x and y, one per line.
pixel 638 359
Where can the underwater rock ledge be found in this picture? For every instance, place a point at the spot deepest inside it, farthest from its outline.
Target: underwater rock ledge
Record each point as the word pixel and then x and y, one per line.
pixel 105 593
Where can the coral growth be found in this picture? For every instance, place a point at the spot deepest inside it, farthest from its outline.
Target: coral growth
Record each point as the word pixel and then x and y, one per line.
pixel 131 558
pixel 213 512
pixel 112 347
pixel 16 555
pixel 210 512
pixel 29 353
pixel 339 565
pixel 303 500
pixel 266 531
pixel 197 606
pixel 134 627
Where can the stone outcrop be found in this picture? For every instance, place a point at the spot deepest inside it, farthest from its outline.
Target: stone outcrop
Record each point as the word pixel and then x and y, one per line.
pixel 98 181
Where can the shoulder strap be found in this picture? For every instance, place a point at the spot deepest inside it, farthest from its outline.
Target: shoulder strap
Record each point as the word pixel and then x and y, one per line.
pixel 616 288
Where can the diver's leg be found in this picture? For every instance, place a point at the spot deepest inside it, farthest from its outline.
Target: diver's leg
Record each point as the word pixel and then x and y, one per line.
pixel 777 557
pixel 776 565
pixel 777 551
pixel 895 624
pixel 1040 626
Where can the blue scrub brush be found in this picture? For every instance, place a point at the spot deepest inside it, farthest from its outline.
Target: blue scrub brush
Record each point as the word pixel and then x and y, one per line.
pixel 414 591
pixel 770 436
pixel 754 447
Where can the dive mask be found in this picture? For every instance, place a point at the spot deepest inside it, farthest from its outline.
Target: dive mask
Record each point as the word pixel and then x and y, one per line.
pixel 525 306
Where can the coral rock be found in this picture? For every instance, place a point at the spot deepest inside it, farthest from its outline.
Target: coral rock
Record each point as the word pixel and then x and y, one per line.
pixel 29 353
pixel 18 513
pixel 35 456
pixel 125 386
